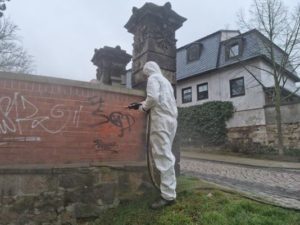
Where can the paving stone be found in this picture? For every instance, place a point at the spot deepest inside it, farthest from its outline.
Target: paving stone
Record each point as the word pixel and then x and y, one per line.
pixel 279 186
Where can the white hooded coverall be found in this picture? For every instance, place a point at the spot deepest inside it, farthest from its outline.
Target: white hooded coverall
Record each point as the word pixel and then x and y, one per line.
pixel 160 100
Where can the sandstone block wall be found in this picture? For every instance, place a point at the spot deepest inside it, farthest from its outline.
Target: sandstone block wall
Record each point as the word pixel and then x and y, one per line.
pixel 66 195
pixel 266 134
pixel 248 134
pixel 290 113
pixel 291 135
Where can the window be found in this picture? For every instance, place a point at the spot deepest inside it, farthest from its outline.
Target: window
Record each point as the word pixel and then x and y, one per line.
pixel 202 91
pixel 187 95
pixel 237 87
pixel 233 49
pixel 193 52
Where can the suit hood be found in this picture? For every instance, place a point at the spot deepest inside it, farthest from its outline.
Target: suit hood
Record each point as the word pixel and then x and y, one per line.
pixel 151 68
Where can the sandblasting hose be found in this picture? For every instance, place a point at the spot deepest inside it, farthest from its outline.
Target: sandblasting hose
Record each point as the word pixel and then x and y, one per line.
pixel 150 161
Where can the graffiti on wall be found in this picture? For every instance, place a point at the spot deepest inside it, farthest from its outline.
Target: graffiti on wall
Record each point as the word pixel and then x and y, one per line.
pixel 7 140
pixel 18 113
pixel 123 121
pixel 16 110
pixel 100 145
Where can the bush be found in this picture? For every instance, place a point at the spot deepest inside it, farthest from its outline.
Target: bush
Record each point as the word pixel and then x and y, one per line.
pixel 204 124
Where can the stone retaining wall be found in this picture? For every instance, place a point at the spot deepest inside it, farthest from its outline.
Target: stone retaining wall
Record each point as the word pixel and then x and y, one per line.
pixel 290 113
pixel 266 134
pixel 291 135
pixel 256 134
pixel 64 147
pixel 55 196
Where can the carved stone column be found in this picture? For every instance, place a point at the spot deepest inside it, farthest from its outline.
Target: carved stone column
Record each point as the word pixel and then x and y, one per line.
pixel 111 63
pixel 154 40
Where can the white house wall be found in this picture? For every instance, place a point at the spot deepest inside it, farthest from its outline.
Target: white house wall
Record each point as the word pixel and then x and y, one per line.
pixel 249 107
pixel 225 35
pixel 246 118
pixel 268 80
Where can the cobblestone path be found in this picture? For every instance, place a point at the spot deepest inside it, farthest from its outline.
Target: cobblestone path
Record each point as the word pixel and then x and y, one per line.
pixel 278 186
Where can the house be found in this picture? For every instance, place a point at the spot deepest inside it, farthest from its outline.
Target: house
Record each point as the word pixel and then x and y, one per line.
pixel 232 66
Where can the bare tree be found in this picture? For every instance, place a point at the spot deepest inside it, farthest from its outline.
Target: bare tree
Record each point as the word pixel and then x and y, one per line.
pixel 2 6
pixel 13 58
pixel 282 28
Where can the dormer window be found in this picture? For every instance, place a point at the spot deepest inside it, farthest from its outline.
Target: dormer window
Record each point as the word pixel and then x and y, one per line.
pixel 193 52
pixel 233 49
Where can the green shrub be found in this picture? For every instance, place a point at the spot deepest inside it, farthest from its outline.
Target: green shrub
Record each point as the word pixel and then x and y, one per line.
pixel 204 124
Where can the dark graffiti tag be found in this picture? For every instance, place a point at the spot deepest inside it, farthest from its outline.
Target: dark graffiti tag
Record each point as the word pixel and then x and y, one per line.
pixel 102 146
pixel 124 121
pixel 98 112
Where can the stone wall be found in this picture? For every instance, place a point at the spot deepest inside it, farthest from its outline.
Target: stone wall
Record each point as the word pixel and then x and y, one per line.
pixel 290 113
pixel 266 134
pixel 68 149
pixel 55 196
pixel 248 134
pixel 291 135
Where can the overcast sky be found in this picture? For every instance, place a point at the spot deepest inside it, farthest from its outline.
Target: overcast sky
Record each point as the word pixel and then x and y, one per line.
pixel 61 35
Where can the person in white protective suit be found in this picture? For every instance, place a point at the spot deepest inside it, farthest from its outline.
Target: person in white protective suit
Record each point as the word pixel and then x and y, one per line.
pixel 162 105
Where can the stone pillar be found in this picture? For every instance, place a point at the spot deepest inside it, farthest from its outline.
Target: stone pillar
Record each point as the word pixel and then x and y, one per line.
pixel 154 29
pixel 154 40
pixel 111 63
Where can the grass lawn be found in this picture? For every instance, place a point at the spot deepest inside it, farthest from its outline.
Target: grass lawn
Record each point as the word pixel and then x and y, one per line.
pixel 198 204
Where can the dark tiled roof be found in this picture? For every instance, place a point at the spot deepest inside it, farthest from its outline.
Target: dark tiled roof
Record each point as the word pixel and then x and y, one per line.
pixel 213 54
pixel 207 61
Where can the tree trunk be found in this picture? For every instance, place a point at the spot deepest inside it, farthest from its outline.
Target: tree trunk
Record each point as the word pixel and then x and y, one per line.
pixel 278 119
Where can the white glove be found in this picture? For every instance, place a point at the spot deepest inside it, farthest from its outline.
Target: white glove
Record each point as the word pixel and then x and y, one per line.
pixel 141 108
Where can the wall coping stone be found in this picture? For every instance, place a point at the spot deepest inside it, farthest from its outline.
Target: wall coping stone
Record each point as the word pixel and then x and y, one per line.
pixel 67 82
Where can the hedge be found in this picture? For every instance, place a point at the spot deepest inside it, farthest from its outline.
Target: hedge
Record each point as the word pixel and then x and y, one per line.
pixel 204 124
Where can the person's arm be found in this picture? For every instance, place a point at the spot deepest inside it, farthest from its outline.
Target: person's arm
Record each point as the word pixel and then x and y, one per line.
pixel 152 94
